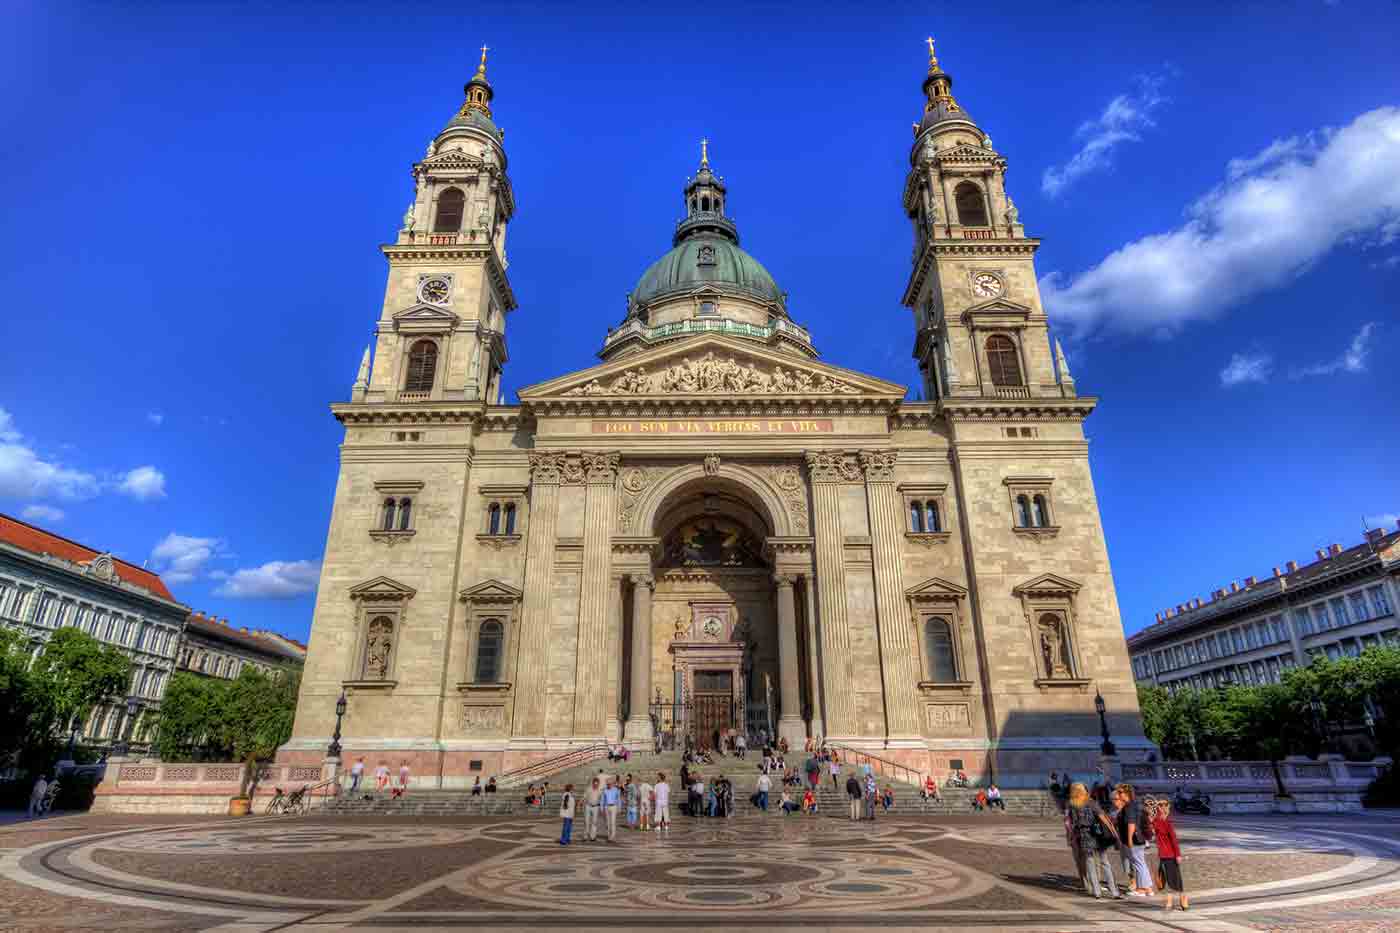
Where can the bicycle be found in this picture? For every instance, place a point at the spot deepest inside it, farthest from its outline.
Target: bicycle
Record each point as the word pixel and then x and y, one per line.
pixel 277 804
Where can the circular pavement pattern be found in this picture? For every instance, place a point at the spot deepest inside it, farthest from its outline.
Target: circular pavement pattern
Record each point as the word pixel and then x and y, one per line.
pixel 285 839
pixel 1200 840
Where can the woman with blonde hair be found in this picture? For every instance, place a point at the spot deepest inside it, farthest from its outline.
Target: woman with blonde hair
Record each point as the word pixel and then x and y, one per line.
pixel 1093 835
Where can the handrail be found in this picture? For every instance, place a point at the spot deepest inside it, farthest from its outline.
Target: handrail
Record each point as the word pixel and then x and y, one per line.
pixel 557 763
pixel 882 763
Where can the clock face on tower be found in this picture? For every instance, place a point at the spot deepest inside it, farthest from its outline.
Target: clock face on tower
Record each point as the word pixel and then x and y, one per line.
pixel 434 290
pixel 986 285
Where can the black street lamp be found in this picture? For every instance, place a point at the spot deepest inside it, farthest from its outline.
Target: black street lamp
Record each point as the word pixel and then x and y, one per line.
pixel 73 728
pixel 123 746
pixel 333 749
pixel 1319 713
pixel 1108 747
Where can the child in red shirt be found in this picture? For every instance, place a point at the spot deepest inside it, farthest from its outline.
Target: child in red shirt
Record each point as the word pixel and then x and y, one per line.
pixel 1169 852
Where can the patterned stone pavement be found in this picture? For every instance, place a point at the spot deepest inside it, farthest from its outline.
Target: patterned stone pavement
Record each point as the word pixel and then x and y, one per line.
pixel 985 872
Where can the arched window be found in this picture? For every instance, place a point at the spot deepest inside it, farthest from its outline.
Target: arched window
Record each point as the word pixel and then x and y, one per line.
pixel 692 205
pixel 938 645
pixel 1042 512
pixel 493 521
pixel 488 652
pixel 916 517
pixel 510 518
pixel 388 523
pixel 972 208
pixel 932 521
pixel 422 367
pixel 1023 511
pixel 451 203
pixel 1001 360
pixel 405 514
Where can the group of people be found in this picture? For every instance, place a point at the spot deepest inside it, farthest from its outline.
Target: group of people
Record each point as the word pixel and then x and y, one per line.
pixel 865 795
pixel 1125 826
pixel 382 780
pixel 648 806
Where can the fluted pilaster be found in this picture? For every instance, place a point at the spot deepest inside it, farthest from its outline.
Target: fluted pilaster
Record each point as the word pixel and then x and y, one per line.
pixel 590 682
pixel 790 725
pixel 639 696
pixel 531 660
pixel 826 471
pixel 899 660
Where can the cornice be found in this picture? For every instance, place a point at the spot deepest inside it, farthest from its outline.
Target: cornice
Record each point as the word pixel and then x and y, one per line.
pixel 914 415
pixel 371 413
pixel 1046 409
pixel 1003 247
pixel 701 407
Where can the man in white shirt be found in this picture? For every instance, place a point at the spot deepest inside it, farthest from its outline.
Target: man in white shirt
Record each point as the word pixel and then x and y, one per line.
pixel 764 786
pixel 644 804
pixel 741 745
pixel 662 814
pixel 592 809
pixel 357 772
pixel 37 795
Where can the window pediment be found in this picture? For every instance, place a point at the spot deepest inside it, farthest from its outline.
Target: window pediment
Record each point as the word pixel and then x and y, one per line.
pixel 490 591
pixel 1046 585
pixel 382 589
pixel 998 312
pixel 935 589
pixel 424 318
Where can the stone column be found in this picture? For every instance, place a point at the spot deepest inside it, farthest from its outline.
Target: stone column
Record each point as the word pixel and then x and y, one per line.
pixel 790 725
pixel 546 470
pixel 826 471
pixel 613 725
pixel 591 680
pixel 899 661
pixel 813 675
pixel 638 718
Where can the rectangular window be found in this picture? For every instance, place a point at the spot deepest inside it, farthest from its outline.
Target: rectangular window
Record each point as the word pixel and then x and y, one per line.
pixel 1238 638
pixel 1302 621
pixel 1378 600
pixel 1339 612
pixel 1321 620
pixel 1280 630
pixel 1251 640
pixel 1360 612
pixel 1191 653
pixel 1222 644
pixel 1334 651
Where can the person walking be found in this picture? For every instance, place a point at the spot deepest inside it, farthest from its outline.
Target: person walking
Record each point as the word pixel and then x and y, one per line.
pixel 634 801
pixel 1169 854
pixel 872 795
pixel 566 813
pixel 612 802
pixel 661 794
pixel 403 776
pixel 37 795
pixel 592 806
pixel 1095 836
pixel 764 786
pixel 741 744
pixel 697 795
pixel 835 766
pixel 357 772
pixel 854 793
pixel 1132 835
pixel 381 776
pixel 647 800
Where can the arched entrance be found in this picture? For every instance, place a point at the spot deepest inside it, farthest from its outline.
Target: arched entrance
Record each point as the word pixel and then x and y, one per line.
pixel 715 651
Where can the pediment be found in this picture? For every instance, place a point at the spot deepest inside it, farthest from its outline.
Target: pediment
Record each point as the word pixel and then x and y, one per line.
pixel 713 366
pixel 382 588
pixel 1046 584
pixel 966 153
pixel 453 158
pixel 1000 306
pixel 490 591
pixel 935 588
pixel 425 317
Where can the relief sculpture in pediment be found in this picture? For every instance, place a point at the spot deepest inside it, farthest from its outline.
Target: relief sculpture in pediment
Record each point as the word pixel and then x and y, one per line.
pixel 713 375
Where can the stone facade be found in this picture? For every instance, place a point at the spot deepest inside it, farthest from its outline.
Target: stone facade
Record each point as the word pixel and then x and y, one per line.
pixel 713 529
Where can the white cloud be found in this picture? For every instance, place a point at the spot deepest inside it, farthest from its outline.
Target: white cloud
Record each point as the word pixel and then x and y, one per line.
pixel 1122 121
pixel 179 558
pixel 155 418
pixel 275 579
pixel 143 484
pixel 26 475
pixel 1352 359
pixel 41 513
pixel 1276 213
pixel 1247 367
pixel 8 433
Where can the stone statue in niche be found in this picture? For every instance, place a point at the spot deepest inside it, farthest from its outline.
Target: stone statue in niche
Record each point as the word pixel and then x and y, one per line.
pixel 378 642
pixel 682 625
pixel 1013 216
pixel 1054 647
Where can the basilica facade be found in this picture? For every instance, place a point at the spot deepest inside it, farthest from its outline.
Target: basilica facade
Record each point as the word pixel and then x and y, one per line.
pixel 712 529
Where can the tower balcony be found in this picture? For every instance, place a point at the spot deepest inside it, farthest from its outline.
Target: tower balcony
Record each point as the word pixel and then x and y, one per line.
pixel 705 220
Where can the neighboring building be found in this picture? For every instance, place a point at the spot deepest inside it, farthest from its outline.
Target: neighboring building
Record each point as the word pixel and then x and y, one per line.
pixel 713 517
pixel 48 582
pixel 1340 604
pixel 213 647
pixel 293 647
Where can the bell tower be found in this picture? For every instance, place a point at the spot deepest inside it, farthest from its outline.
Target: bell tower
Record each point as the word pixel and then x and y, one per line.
pixel 980 330
pixel 441 335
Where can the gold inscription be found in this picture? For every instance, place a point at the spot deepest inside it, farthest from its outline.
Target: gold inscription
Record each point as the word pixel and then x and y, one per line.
pixel 672 428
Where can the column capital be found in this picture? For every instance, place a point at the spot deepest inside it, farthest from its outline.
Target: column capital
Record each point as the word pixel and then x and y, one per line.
pixel 784 580
pixel 546 469
pixel 642 579
pixel 600 468
pixel 878 465
pixel 832 466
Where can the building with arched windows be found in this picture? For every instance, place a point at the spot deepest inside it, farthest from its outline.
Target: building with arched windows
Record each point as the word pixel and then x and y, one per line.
pixel 713 529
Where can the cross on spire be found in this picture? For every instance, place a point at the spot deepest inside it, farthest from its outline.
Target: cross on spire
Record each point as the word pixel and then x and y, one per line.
pixel 932 58
pixel 481 68
pixel 704 152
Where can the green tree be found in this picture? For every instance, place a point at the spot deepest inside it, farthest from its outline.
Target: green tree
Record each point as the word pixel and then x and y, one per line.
pixel 78 672
pixel 26 711
pixel 257 717
pixel 191 719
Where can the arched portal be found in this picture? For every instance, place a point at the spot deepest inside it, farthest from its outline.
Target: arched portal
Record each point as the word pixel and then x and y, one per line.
pixel 714 648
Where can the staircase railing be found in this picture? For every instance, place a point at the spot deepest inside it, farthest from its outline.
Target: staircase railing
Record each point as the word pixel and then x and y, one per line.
pixel 884 767
pixel 538 769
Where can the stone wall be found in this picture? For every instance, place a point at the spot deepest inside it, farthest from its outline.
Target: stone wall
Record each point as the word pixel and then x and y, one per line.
pixel 1328 785
pixel 148 786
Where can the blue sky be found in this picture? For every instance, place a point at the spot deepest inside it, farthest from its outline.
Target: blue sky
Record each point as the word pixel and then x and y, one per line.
pixel 195 193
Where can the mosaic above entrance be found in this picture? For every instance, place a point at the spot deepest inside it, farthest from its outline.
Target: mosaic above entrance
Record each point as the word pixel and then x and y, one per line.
pixel 711 542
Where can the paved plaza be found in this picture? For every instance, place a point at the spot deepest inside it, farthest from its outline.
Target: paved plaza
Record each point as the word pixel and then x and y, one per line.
pixel 983 871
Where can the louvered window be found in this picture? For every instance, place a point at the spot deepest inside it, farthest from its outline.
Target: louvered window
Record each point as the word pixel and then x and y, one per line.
pixel 422 365
pixel 1001 360
pixel 449 213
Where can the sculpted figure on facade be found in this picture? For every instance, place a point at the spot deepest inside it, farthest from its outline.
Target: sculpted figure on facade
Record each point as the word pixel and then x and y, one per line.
pixel 712 375
pixel 1053 647
pixel 379 640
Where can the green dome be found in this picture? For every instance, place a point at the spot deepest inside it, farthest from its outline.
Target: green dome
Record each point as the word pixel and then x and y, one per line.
pixel 725 266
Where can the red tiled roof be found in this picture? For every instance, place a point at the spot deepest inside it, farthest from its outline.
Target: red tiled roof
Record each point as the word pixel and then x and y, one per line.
pixel 38 541
pixel 210 626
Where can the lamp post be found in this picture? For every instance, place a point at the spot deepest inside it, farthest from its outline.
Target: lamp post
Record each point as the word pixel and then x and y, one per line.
pixel 123 746
pixel 1319 713
pixel 1108 747
pixel 333 750
pixel 73 728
